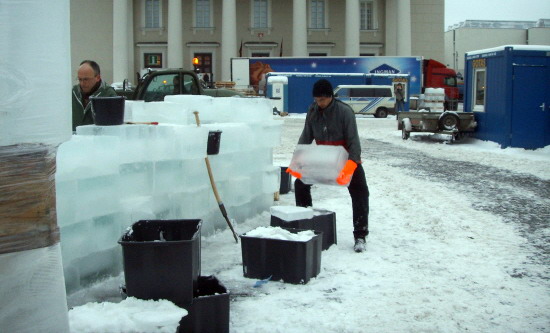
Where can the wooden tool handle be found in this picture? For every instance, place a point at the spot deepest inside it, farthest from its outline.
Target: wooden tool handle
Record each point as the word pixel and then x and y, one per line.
pixel 196 113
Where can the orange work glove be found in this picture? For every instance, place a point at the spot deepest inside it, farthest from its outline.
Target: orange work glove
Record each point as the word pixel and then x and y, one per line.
pixel 347 171
pixel 294 173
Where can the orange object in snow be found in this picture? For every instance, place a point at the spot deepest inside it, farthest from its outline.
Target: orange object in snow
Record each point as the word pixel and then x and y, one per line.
pixel 347 171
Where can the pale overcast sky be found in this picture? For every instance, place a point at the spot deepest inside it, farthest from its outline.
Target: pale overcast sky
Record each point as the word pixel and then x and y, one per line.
pixel 510 10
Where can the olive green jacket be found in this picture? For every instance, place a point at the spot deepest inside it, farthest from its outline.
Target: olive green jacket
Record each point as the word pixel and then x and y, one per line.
pixel 81 115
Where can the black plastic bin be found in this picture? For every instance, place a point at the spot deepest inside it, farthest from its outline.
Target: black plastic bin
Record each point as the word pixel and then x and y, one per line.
pixel 162 259
pixel 214 139
pixel 209 311
pixel 286 181
pixel 108 110
pixel 323 221
pixel 291 261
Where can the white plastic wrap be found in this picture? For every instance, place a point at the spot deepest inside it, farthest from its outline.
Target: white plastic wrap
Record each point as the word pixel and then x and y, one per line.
pixel 32 291
pixel 35 89
pixel 35 117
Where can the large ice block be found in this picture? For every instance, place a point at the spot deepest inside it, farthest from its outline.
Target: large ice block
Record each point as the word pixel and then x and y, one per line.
pixel 291 213
pixel 318 164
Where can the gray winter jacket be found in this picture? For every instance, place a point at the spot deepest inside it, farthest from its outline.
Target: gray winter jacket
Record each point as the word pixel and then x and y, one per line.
pixel 335 126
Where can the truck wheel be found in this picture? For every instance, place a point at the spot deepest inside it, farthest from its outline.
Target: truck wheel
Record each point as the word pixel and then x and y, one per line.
pixel 404 133
pixel 449 121
pixel 381 113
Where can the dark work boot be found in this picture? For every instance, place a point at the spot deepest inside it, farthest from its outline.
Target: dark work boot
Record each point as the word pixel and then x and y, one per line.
pixel 360 245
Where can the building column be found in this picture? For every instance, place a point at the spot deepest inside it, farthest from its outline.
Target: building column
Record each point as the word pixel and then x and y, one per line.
pixel 390 46
pixel 175 35
pixel 130 43
pixel 404 44
pixel 229 37
pixel 121 53
pixel 353 26
pixel 299 28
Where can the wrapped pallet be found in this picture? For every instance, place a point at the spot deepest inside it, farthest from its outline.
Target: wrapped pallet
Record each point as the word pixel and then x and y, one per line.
pixel 34 120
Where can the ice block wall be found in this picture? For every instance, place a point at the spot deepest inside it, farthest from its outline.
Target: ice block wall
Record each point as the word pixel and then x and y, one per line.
pixel 109 177
pixel 35 113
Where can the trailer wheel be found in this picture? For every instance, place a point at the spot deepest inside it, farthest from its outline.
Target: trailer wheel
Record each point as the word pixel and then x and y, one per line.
pixel 458 136
pixel 449 121
pixel 381 113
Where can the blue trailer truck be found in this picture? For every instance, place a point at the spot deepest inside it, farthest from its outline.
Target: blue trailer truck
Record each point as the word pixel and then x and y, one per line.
pixel 371 94
pixel 251 72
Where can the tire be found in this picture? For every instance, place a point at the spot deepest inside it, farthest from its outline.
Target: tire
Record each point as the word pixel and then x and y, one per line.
pixel 381 113
pixel 404 133
pixel 449 121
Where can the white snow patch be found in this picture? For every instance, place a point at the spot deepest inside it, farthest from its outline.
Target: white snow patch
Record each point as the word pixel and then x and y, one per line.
pixel 130 315
pixel 281 234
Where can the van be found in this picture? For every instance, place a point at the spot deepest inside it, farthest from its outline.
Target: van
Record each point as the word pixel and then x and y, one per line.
pixel 368 99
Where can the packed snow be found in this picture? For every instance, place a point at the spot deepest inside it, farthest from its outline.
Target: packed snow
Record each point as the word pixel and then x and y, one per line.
pixel 281 234
pixel 131 315
pixel 439 258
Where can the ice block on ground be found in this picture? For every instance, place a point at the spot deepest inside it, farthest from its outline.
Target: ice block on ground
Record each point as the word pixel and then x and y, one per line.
pixel 292 213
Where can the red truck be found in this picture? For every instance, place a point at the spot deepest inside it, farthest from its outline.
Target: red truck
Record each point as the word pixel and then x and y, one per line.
pixel 437 75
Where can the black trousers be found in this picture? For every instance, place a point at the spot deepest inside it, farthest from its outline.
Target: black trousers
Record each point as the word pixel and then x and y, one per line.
pixel 359 192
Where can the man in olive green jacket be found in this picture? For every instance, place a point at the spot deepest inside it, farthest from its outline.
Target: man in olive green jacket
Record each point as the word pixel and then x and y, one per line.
pixel 89 85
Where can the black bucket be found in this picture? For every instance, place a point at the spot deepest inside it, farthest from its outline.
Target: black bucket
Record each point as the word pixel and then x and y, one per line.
pixel 214 138
pixel 108 110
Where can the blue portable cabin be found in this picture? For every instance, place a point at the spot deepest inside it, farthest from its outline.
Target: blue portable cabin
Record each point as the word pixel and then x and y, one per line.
pixel 300 85
pixel 508 89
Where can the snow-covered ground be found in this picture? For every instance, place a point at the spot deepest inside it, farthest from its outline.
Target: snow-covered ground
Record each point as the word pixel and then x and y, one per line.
pixel 437 259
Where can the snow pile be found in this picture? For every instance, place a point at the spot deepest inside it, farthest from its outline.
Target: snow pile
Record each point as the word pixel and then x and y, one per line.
pixel 281 234
pixel 130 315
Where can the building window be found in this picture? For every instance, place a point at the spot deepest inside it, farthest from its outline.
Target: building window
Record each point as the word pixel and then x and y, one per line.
pixel 152 14
pixel 479 89
pixel 260 14
pixel 152 60
pixel 367 15
pixel 317 14
pixel 317 54
pixel 202 12
pixel 205 62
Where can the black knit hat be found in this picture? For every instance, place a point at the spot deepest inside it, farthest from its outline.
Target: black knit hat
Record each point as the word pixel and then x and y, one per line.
pixel 322 88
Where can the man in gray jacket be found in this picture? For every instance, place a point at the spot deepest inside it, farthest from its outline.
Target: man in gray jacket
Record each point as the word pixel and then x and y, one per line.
pixel 89 85
pixel 332 122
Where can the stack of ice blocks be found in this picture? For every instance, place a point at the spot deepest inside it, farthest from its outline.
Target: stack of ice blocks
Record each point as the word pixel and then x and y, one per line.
pixel 110 176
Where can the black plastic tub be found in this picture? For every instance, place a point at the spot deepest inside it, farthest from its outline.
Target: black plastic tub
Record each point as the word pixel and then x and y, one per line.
pixel 209 311
pixel 162 259
pixel 108 111
pixel 291 261
pixel 214 139
pixel 323 221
